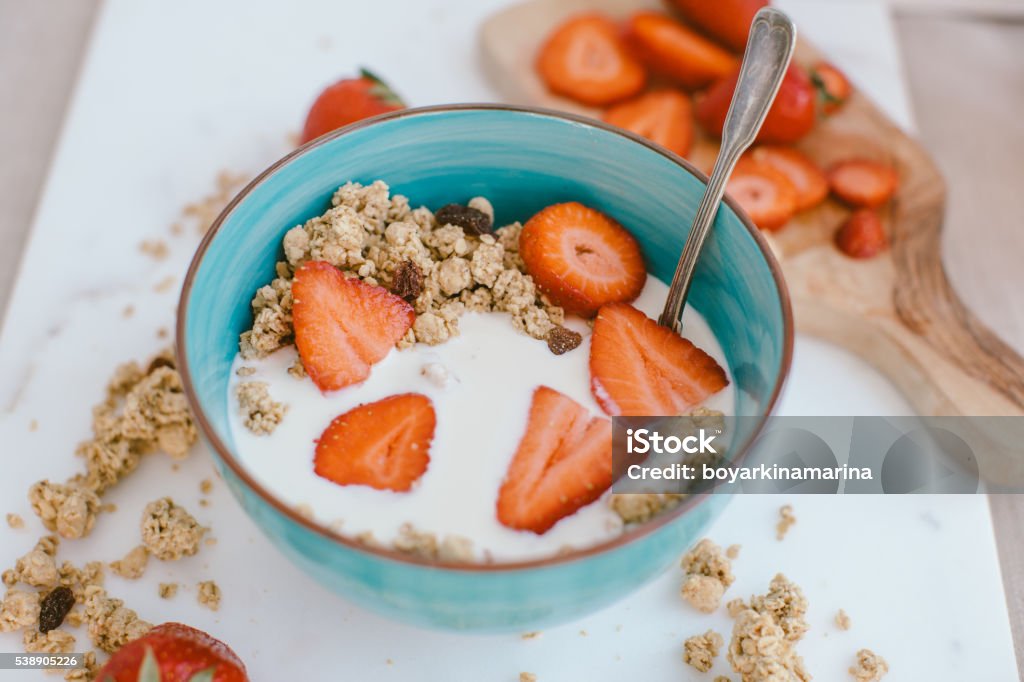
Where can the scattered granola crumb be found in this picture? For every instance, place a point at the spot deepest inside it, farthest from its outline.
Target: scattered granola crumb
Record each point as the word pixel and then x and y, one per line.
pixel 305 510
pixel 842 620
pixel 167 590
pixel 703 592
pixel 425 545
pixel 68 509
pixel 530 635
pixel 583 633
pixel 786 519
pixel 87 673
pixel 210 542
pixel 206 486
pixel 204 211
pixel 111 625
pixel 870 667
pixel 700 651
pixel 297 369
pixel 36 568
pixel 733 552
pixel 162 333
pixel 261 414
pixel 15 521
pixel 53 642
pixel 640 507
pixel 721 678
pixel 245 371
pixel 128 311
pixel 133 565
pixel 527 677
pixel 108 507
pixel 164 285
pixel 169 531
pixel 708 575
pixel 203 502
pixel 209 595
pixel 20 609
pixel 154 248
pixel 763 646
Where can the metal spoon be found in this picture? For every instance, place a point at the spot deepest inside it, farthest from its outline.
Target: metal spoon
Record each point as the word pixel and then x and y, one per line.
pixel 769 49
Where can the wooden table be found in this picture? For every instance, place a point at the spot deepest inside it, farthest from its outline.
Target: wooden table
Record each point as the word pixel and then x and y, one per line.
pixel 967 110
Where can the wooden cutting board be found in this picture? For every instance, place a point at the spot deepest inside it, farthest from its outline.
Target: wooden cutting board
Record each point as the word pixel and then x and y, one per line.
pixel 898 310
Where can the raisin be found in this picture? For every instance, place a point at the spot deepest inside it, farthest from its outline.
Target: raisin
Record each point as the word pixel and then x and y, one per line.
pixel 54 608
pixel 408 281
pixel 562 340
pixel 469 219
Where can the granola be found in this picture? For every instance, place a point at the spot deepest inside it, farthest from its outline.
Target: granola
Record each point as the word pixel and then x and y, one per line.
pixel 640 507
pixel 19 609
pixel 708 574
pixel 36 568
pixel 425 545
pixel 209 595
pixel 260 413
pixel 527 677
pixel 375 236
pixel 15 521
pixel 700 651
pixel 133 565
pixel 842 620
pixel 69 509
pixel 53 642
pixel 144 410
pixel 167 590
pixel 169 532
pixel 870 667
pixel 764 637
pixel 786 520
pixel 111 624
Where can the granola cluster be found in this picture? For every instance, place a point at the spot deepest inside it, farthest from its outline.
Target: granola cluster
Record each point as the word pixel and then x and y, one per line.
pixel 765 634
pixel 870 667
pixel 144 411
pixel 169 532
pixel 425 545
pixel 700 651
pixel 260 413
pixel 375 236
pixel 708 574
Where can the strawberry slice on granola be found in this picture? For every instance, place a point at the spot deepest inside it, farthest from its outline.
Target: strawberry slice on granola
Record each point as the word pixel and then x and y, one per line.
pixel 343 326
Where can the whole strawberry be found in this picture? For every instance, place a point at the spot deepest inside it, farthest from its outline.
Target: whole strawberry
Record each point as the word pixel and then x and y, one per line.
pixel 174 652
pixel 348 101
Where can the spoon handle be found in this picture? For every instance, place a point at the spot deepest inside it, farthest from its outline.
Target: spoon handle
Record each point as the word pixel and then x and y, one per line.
pixel 769 49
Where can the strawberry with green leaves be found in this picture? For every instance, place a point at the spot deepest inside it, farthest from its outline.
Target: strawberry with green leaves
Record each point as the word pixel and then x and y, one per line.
pixel 174 652
pixel 348 101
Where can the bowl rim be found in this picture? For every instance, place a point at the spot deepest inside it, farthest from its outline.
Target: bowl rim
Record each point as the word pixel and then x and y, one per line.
pixel 621 540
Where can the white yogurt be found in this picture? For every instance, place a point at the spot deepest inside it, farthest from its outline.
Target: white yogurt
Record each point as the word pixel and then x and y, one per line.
pixel 481 383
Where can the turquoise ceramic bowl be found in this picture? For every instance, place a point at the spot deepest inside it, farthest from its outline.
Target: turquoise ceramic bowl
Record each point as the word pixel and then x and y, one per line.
pixel 523 160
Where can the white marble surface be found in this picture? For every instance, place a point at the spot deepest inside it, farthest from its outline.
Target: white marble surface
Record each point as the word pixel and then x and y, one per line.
pixel 219 88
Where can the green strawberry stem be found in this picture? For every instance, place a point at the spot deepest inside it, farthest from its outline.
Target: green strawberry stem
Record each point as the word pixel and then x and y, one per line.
pixel 380 89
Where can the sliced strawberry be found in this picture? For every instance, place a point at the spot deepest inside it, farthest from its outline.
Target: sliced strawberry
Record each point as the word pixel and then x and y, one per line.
pixel 173 652
pixel 727 20
pixel 767 196
pixel 676 51
pixel 862 235
pixel 585 59
pixel 639 368
pixel 385 445
pixel 807 178
pixel 581 258
pixel 860 182
pixel 343 325
pixel 833 87
pixel 563 463
pixel 662 116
